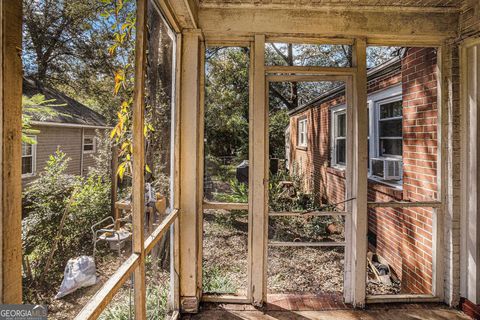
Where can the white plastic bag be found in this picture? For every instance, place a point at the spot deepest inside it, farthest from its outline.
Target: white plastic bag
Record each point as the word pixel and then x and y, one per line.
pixel 80 272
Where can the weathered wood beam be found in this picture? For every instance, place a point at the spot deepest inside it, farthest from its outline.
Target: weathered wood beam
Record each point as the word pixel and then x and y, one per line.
pixel 304 5
pixel 10 151
pixel 185 12
pixel 93 309
pixel 138 192
pixel 189 170
pixel 359 181
pixel 259 173
pixel 333 23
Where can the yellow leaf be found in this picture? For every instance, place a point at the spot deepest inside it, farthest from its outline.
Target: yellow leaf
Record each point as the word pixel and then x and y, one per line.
pixel 121 170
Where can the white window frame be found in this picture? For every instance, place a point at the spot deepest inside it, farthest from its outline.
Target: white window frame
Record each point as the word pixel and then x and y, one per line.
pixel 33 156
pixel 335 112
pixel 94 143
pixel 374 101
pixel 377 121
pixel 302 125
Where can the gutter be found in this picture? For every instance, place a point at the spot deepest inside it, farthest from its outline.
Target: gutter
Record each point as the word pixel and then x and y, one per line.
pixel 67 125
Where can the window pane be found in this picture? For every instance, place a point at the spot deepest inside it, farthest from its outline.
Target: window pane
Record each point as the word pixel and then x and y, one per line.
pixel 88 147
pixel 27 165
pixel 391 147
pixel 26 149
pixel 88 141
pixel 341 151
pixel 342 125
pixel 390 128
pixel 390 110
pixel 159 112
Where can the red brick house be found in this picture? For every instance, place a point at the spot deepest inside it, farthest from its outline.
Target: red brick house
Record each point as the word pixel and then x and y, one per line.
pixel 73 129
pixel 402 106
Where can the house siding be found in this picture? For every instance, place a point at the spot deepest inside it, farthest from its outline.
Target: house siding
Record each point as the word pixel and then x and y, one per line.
pixel 402 236
pixel 68 140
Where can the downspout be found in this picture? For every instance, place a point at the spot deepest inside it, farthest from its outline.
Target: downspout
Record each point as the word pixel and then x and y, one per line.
pixel 81 152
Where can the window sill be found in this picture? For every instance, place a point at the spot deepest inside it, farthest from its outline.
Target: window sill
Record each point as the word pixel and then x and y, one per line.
pixel 392 190
pixel 303 148
pixel 337 170
pixel 30 175
pixel 394 185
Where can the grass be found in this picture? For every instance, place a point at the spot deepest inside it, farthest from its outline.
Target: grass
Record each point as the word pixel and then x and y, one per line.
pixel 216 281
pixel 157 297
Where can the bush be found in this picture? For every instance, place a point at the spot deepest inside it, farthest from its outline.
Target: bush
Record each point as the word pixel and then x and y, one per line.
pixel 83 200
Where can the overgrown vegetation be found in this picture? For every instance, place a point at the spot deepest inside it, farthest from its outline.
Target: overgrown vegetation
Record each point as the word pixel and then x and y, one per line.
pixel 59 208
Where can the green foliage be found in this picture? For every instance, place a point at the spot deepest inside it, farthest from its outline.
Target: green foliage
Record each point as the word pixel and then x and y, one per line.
pixel 64 45
pixel 45 201
pixel 216 281
pixel 37 107
pixel 279 200
pixel 239 193
pixel 226 102
pixel 278 122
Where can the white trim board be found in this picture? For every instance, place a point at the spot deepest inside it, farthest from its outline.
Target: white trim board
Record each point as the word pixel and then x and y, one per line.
pixel 67 125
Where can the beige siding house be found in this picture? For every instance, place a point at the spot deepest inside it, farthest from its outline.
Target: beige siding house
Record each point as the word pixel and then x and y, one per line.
pixel 74 129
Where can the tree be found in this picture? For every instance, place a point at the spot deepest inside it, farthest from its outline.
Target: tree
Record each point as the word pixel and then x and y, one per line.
pixel 226 112
pixel 227 102
pixel 64 47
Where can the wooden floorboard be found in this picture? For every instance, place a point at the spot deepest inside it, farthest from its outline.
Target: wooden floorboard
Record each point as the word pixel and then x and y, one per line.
pixel 299 308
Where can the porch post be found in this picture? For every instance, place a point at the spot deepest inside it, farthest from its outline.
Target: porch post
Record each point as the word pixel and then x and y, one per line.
pixel 359 175
pixel 189 172
pixel 259 174
pixel 10 151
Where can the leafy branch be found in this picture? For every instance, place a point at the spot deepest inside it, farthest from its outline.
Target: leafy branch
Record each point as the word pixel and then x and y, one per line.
pixel 36 107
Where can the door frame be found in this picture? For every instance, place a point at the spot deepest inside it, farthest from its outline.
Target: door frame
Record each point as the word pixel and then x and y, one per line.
pixel 297 77
pixel 355 78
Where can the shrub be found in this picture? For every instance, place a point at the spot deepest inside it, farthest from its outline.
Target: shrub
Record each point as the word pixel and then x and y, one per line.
pixel 83 200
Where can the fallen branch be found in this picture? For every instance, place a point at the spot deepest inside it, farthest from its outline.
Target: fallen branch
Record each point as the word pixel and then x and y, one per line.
pixel 59 233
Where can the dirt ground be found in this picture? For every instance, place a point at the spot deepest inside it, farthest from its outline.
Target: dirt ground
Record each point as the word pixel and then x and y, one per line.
pixel 225 248
pixel 69 306
pixel 225 251
pixel 107 262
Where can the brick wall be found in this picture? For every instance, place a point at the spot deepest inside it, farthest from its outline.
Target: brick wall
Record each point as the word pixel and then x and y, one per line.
pixel 402 236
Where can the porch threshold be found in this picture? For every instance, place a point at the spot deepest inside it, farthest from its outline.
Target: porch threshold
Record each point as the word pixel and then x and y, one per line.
pixel 390 311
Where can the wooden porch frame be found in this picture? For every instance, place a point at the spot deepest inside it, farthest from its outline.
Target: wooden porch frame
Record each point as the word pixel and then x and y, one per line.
pixel 10 151
pixel 10 154
pixel 470 187
pixel 135 264
pixel 358 226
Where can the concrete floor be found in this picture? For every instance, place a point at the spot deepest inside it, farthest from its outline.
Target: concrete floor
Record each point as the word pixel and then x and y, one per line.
pixel 408 312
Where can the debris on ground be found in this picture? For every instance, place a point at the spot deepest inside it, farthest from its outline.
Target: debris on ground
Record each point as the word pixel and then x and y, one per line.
pixel 79 273
pixel 381 279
